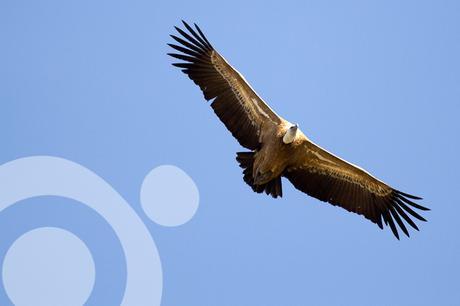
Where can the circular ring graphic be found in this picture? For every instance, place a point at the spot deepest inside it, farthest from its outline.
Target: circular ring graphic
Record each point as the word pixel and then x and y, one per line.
pixel 52 176
pixel 66 214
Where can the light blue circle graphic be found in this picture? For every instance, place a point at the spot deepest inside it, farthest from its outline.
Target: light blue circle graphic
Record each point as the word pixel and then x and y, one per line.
pixel 48 266
pixel 169 196
pixel 36 176
pixel 75 217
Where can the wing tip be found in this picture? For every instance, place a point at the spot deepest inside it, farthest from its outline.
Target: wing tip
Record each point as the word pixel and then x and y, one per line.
pixel 399 206
pixel 410 196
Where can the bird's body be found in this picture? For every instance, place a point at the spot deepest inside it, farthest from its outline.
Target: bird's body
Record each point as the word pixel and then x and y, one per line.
pixel 274 155
pixel 279 149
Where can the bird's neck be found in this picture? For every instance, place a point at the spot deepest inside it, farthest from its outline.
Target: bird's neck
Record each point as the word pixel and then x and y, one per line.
pixel 289 136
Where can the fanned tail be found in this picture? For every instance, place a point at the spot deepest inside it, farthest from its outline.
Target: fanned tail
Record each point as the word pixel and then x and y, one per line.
pixel 246 161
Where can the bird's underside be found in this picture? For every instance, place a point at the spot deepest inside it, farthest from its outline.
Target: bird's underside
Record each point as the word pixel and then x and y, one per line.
pixel 279 149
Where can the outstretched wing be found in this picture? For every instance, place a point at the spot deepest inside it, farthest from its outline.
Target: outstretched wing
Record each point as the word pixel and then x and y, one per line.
pixel 328 178
pixel 237 105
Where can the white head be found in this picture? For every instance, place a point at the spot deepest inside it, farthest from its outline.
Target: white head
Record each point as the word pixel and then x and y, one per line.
pixel 290 134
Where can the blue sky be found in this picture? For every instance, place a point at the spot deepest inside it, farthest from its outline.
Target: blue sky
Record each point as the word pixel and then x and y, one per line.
pixel 375 82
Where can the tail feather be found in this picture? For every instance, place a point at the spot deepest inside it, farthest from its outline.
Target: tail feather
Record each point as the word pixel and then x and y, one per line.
pixel 246 161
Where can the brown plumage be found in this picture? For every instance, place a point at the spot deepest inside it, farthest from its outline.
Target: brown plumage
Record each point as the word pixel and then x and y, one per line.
pixel 279 148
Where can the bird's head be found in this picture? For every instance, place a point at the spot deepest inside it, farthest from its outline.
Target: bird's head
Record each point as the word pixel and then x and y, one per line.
pixel 290 134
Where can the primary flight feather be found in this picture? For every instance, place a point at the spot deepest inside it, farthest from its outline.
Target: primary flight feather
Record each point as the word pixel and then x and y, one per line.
pixel 280 149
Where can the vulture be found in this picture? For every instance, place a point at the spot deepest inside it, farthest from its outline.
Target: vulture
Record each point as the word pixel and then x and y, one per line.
pixel 278 148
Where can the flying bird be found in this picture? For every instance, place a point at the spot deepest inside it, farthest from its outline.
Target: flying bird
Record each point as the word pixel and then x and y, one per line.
pixel 279 148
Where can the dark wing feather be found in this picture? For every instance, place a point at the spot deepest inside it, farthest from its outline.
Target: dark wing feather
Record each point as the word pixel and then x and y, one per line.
pixel 236 104
pixel 331 179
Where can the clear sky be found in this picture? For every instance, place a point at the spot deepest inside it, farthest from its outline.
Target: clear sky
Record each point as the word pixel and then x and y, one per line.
pixel 375 82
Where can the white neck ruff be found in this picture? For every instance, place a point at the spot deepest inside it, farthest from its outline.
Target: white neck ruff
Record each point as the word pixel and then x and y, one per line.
pixel 289 136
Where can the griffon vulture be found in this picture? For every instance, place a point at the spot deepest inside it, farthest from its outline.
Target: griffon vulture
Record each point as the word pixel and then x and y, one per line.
pixel 279 148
